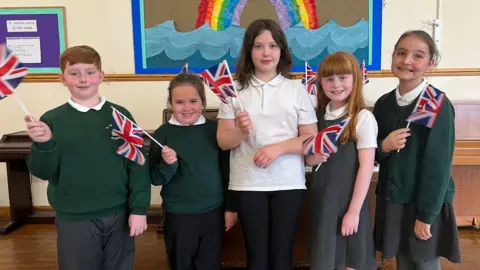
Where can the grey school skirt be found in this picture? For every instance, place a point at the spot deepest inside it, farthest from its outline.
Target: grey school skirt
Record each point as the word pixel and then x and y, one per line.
pixel 394 233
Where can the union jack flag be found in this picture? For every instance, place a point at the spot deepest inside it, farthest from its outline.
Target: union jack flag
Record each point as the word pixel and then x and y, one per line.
pixel 325 141
pixel 309 79
pixel 184 69
pixel 12 71
pixel 364 73
pixel 123 128
pixel 428 107
pixel 218 78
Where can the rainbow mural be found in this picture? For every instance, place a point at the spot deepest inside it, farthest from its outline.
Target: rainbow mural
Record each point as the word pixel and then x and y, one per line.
pixel 292 12
pixel 161 49
pixel 220 14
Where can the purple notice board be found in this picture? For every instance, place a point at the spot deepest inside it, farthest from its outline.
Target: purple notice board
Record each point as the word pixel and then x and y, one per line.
pixel 36 35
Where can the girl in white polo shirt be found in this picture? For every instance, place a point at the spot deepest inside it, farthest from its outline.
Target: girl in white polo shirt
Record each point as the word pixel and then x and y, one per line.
pixel 340 231
pixel 267 171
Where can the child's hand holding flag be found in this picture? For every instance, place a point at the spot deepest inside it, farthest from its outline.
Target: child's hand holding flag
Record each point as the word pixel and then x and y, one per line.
pixel 244 122
pixel 169 155
pixel 324 142
pixel 38 130
pixel 220 81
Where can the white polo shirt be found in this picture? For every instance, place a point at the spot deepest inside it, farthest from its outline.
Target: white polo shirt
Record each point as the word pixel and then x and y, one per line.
pixel 367 128
pixel 276 108
pixel 409 97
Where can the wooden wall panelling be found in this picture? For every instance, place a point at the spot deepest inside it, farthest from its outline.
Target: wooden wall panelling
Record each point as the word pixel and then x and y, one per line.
pixel 467 120
pixel 467 200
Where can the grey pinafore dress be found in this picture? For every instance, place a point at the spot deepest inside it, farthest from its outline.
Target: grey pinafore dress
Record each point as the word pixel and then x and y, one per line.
pixel 330 193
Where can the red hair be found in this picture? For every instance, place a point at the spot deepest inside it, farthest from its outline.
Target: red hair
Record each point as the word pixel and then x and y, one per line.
pixel 340 63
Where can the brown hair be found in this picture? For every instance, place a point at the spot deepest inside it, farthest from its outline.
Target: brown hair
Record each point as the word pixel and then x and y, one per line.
pixel 187 79
pixel 432 47
pixel 245 68
pixel 80 54
pixel 340 63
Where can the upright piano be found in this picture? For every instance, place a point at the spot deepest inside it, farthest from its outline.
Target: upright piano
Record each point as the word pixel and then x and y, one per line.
pixel 14 148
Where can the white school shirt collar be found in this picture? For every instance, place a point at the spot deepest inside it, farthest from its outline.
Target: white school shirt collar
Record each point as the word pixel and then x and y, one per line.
pixel 366 128
pixel 335 114
pixel 409 97
pixel 274 82
pixel 82 108
pixel 174 121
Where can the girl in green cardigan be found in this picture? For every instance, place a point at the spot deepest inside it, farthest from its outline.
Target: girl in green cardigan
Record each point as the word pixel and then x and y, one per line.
pixel 415 188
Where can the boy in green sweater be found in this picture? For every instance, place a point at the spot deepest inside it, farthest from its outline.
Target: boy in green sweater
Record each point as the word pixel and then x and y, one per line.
pixel 194 179
pixel 100 197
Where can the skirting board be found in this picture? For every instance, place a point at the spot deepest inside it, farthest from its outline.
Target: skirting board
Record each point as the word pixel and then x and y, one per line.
pixel 46 215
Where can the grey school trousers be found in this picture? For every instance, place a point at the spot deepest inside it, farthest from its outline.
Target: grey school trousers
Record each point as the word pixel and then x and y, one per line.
pixel 404 264
pixel 99 244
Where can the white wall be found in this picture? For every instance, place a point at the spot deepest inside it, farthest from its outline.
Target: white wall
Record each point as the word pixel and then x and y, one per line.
pixel 106 25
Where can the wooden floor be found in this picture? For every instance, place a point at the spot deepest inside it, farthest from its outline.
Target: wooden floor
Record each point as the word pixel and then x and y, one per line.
pixel 34 247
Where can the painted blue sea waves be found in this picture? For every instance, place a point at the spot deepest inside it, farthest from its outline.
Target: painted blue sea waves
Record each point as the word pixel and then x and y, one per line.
pixel 202 47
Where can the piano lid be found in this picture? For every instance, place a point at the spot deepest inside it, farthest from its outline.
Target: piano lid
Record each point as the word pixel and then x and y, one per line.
pixel 17 145
pixel 14 146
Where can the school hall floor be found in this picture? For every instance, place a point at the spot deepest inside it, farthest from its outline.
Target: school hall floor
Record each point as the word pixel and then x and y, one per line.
pixel 34 247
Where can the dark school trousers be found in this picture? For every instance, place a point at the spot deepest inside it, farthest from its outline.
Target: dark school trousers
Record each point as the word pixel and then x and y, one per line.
pixel 269 222
pixel 194 241
pixel 403 263
pixel 98 244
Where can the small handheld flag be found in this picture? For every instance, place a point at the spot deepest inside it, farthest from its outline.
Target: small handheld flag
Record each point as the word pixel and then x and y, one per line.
pixel 123 128
pixel 184 69
pixel 428 106
pixel 12 72
pixel 218 78
pixel 325 141
pixel 364 73
pixel 309 79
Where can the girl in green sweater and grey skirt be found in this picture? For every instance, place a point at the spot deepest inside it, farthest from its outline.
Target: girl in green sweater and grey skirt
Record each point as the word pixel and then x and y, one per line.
pixel 415 188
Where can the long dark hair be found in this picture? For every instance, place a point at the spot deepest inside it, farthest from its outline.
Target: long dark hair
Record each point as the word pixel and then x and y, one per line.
pixel 245 68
